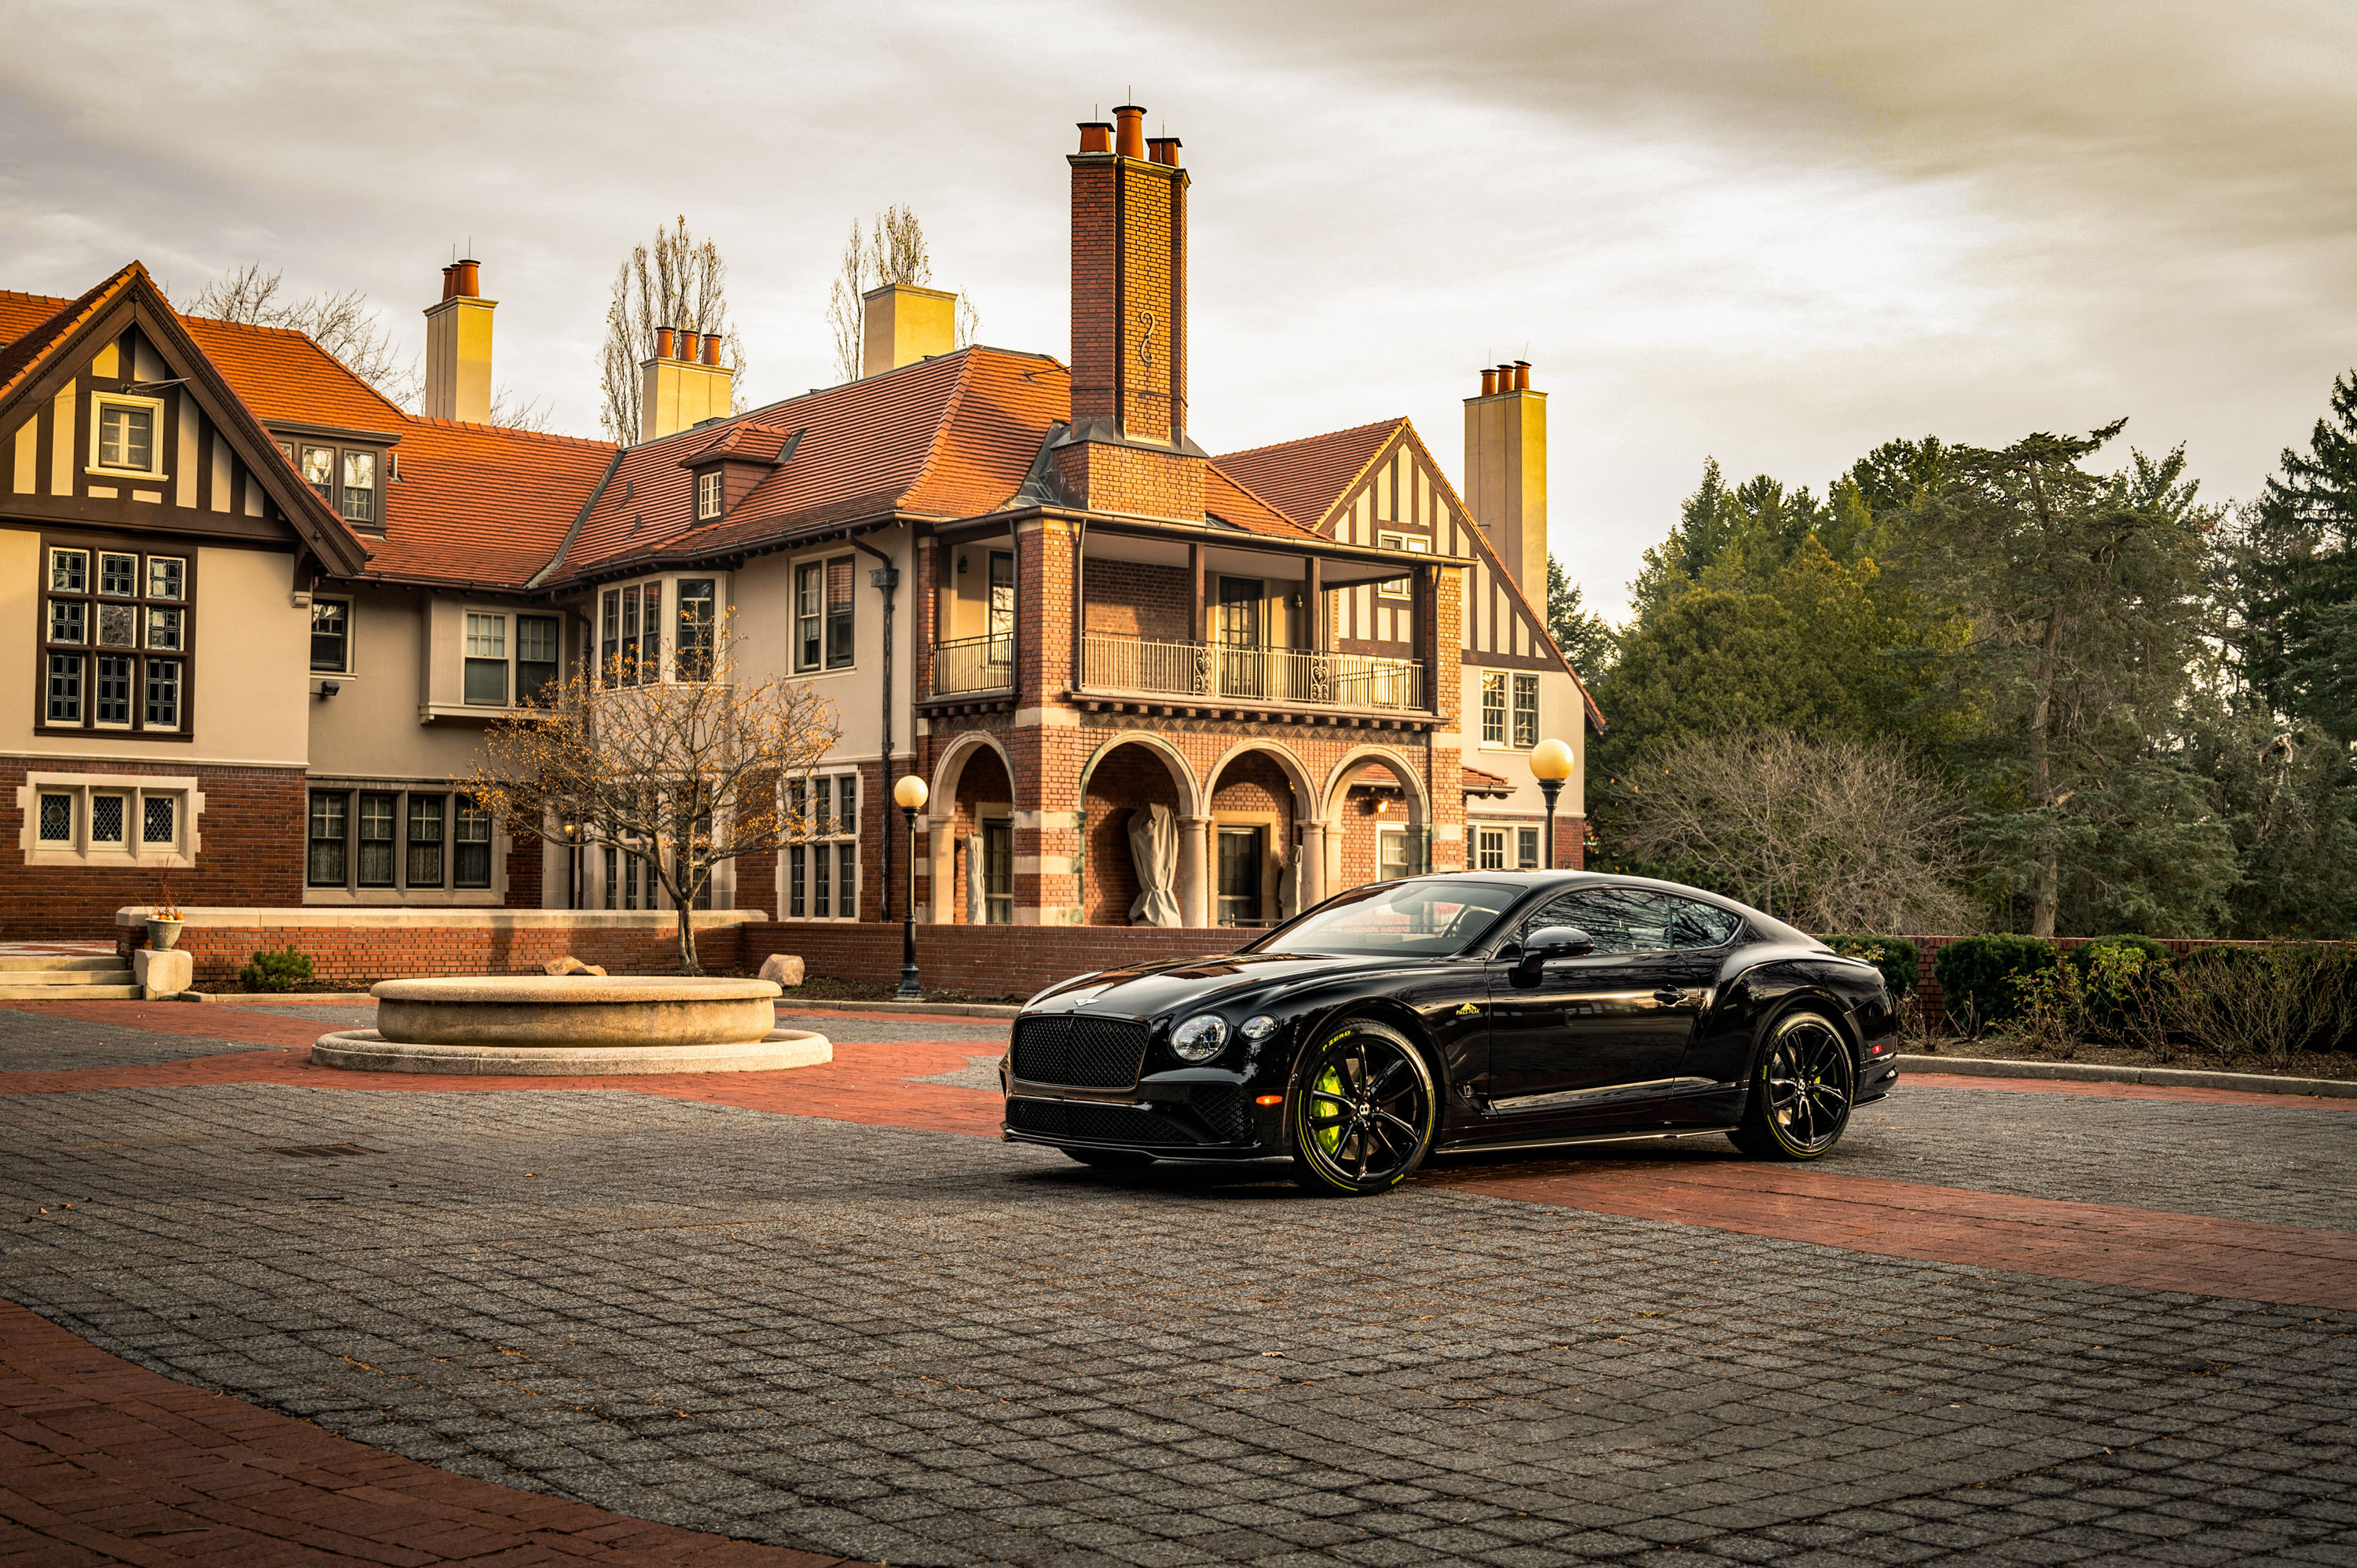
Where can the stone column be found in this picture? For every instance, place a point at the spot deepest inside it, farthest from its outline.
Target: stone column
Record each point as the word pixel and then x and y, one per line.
pixel 1195 871
pixel 941 855
pixel 1311 872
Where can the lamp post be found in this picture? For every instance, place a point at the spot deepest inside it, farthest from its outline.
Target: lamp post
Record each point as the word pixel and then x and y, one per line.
pixel 909 794
pixel 1551 764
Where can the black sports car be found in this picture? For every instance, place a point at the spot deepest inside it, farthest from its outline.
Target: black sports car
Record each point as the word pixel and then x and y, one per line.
pixel 1466 1010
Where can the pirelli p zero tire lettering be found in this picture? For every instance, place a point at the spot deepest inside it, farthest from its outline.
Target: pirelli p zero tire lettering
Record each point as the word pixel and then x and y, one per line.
pixel 1365 1110
pixel 1802 1090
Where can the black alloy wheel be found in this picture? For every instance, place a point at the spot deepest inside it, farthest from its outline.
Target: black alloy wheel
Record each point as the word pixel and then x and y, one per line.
pixel 1110 1159
pixel 1365 1110
pixel 1801 1093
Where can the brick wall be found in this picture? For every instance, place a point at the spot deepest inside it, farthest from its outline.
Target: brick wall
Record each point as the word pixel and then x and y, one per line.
pixel 352 953
pixel 1131 598
pixel 983 961
pixel 1126 781
pixel 250 831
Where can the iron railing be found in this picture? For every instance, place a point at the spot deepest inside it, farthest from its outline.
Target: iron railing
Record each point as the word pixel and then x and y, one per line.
pixel 1114 663
pixel 973 664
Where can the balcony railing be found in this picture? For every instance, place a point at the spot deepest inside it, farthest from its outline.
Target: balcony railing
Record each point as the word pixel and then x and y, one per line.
pixel 973 664
pixel 1216 670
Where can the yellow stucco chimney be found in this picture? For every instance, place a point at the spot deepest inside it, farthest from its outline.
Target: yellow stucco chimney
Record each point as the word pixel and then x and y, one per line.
pixel 458 348
pixel 904 323
pixel 1505 473
pixel 684 385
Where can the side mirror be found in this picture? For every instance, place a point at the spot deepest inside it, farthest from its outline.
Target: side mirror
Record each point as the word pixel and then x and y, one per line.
pixel 1552 942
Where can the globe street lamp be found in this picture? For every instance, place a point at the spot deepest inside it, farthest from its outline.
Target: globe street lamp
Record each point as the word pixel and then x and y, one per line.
pixel 1551 764
pixel 909 794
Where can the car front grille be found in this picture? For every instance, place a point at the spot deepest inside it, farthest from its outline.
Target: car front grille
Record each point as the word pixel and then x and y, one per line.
pixel 1093 1124
pixel 1086 1053
pixel 1224 1110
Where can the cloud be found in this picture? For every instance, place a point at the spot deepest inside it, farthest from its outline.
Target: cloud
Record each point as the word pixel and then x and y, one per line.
pixel 1778 233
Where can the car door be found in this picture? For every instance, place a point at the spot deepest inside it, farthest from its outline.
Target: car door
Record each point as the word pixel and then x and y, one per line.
pixel 1600 1037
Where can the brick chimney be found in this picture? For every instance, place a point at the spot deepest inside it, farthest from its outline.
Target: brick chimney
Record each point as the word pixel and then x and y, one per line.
pixel 1128 450
pixel 684 385
pixel 1505 473
pixel 458 348
pixel 904 323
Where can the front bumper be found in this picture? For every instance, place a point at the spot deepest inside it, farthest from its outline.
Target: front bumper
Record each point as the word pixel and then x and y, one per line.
pixel 1877 1077
pixel 1197 1114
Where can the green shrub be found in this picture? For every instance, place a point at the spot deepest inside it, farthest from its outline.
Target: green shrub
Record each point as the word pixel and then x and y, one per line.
pixel 282 970
pixel 2119 966
pixel 1895 956
pixel 1978 974
pixel 2271 1001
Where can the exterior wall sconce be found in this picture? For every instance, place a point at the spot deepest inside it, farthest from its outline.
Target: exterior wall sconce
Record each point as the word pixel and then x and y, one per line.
pixel 330 688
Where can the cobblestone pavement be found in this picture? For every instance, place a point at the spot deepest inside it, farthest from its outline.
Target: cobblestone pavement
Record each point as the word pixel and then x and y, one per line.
pixel 922 1348
pixel 35 1042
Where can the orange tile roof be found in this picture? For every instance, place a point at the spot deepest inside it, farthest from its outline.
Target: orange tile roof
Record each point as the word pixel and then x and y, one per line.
pixel 1306 478
pixel 33 323
pixel 479 505
pixel 1479 783
pixel 1230 502
pixel 953 437
pixel 283 375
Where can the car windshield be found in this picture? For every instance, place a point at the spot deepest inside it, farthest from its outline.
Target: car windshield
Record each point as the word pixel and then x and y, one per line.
pixel 1411 919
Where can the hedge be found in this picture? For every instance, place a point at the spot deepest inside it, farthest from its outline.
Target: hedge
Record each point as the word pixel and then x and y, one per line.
pixel 1976 975
pixel 1896 956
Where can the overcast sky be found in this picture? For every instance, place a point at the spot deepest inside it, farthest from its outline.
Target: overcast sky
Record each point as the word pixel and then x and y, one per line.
pixel 1778 233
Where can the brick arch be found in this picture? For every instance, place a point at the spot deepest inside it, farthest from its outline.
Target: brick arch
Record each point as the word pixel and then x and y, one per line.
pixel 942 800
pixel 946 821
pixel 1305 789
pixel 1337 783
pixel 1125 774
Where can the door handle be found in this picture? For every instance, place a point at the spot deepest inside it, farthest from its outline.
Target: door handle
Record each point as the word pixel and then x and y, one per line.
pixel 1669 996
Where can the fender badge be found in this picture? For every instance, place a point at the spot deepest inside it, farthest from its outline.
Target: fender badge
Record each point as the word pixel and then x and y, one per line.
pixel 1469 1010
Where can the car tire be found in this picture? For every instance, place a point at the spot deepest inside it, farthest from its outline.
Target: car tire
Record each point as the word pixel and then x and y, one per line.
pixel 1365 1110
pixel 1110 1159
pixel 1802 1090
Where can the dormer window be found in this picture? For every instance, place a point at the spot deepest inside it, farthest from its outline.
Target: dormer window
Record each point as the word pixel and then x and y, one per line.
pixel 359 502
pixel 347 478
pixel 708 496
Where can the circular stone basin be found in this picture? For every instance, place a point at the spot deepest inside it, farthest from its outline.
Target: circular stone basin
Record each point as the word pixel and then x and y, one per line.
pixel 570 1025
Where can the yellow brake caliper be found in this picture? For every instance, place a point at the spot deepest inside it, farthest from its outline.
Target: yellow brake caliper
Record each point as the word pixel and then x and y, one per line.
pixel 1329 1116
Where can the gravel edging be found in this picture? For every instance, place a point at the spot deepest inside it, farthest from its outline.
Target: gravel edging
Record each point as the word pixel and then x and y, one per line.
pixel 2092 1072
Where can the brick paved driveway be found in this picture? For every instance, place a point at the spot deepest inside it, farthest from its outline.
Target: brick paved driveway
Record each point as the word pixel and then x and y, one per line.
pixel 918 1347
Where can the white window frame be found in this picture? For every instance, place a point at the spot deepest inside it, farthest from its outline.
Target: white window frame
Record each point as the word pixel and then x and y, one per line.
pixel 1490 839
pixel 468 657
pixel 134 852
pixel 1494 683
pixel 99 403
pixel 710 495
pixel 1522 684
pixel 352 636
pixel 1406 544
pixel 1402 835
pixel 800 857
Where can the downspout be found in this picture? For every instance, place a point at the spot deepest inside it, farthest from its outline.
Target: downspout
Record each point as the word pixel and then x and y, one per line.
pixel 1078 678
pixel 885 579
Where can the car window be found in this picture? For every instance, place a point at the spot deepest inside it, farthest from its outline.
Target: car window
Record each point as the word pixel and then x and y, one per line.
pixel 1695 924
pixel 1621 919
pixel 1415 918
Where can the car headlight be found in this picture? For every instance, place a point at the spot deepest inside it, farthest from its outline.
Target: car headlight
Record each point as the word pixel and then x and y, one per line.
pixel 1199 1038
pixel 1258 1027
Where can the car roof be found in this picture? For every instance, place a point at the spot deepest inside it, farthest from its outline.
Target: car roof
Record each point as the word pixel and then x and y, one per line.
pixel 1769 925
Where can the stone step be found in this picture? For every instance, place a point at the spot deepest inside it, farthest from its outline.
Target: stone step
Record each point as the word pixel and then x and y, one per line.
pixel 65 979
pixel 17 963
pixel 69 993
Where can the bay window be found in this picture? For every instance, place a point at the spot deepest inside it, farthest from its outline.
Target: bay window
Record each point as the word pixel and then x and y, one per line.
pixel 486 660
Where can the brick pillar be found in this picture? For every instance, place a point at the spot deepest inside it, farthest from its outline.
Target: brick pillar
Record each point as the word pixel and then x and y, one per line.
pixel 1443 605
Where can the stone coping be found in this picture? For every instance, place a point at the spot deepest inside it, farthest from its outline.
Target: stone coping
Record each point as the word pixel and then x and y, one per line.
pixel 384 917
pixel 575 990
pixel 2096 1073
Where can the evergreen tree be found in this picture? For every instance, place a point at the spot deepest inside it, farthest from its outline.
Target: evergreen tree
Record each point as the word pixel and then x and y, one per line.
pixel 1584 638
pixel 2084 596
pixel 2293 576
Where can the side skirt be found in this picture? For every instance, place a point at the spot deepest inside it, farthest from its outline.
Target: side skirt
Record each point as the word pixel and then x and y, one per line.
pixel 1639 1137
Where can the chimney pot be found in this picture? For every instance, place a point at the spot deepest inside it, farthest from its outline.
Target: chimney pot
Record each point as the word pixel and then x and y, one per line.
pixel 1163 150
pixel 662 342
pixel 1522 375
pixel 449 280
pixel 1096 135
pixel 1129 135
pixel 712 348
pixel 470 279
pixel 1489 384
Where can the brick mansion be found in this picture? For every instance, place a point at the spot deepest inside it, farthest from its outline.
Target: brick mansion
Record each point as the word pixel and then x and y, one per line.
pixel 264 615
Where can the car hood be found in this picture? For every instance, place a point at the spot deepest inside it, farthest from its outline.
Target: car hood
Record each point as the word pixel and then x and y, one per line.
pixel 1146 989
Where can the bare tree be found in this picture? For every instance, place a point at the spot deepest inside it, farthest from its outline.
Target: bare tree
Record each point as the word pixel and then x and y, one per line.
pixel 1831 835
pixel 969 321
pixel 679 281
pixel 892 251
pixel 683 774
pixel 341 324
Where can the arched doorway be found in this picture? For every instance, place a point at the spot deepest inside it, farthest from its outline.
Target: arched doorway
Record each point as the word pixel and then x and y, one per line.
pixel 1126 777
pixel 970 825
pixel 1259 798
pixel 1377 820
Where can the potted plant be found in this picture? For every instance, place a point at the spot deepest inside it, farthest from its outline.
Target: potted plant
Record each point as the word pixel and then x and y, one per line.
pixel 163 922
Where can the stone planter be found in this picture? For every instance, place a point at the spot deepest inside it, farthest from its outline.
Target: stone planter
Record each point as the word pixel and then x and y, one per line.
pixel 164 935
pixel 573 1026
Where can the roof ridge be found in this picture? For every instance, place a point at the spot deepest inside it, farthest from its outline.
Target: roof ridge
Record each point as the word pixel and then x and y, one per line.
pixel 1396 419
pixel 435 422
pixel 28 350
pixel 1392 428
pixel 1255 495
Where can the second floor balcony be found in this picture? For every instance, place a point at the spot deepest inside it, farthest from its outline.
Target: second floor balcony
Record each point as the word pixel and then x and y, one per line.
pixel 1220 671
